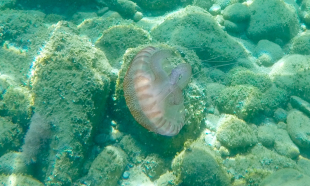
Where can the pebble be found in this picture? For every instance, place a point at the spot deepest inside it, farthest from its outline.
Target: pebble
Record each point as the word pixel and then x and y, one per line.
pixel 126 175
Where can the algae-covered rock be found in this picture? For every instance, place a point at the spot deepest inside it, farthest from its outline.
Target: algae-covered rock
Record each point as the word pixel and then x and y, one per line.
pixel 70 83
pixel 265 135
pixel 195 106
pixel 195 28
pixel 280 115
pixel 300 104
pixel 16 104
pixel 237 13
pixel 117 39
pixel 19 179
pixel 166 179
pixel 234 28
pixel 304 165
pixel 206 5
pixel 273 98
pixel 257 164
pixel 284 145
pixel 126 8
pixel 298 126
pixel 11 136
pixel 199 166
pixel 272 20
pixel 242 100
pixel 94 27
pixel 108 166
pixel 286 177
pixel 301 43
pixel 22 33
pixel 154 166
pixel 247 77
pixel 265 49
pixel 292 74
pixel 213 90
pixel 234 133
pixel 157 4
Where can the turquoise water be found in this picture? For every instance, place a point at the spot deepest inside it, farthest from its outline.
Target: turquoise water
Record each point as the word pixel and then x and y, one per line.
pixel 155 93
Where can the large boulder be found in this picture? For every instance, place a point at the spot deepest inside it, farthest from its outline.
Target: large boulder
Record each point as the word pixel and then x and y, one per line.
pixel 272 20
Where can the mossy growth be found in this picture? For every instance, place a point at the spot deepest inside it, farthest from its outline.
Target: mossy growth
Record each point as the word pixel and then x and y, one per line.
pixel 117 39
pixel 242 76
pixel 301 44
pixel 11 136
pixel 16 104
pixel 235 133
pixel 273 98
pixel 199 165
pixel 241 100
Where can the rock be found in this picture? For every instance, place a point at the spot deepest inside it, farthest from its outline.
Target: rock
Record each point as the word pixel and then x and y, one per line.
pixel 280 115
pixel 234 133
pixel 157 4
pixel 166 179
pixel 237 13
pixel 256 164
pixel 265 135
pixel 301 43
pixel 217 75
pixel 292 73
pixel 94 27
pixel 286 177
pixel 133 149
pixel 267 48
pixel 272 99
pixel 108 166
pixel 11 136
pixel 242 100
pixel 117 39
pixel 272 20
pixel 284 145
pixel 16 104
pixel 19 179
pixel 304 165
pixel 199 166
pixel 300 104
pixel 243 76
pixel 194 28
pixel 206 5
pixel 138 16
pixel 215 9
pixel 137 177
pixel 298 126
pixel 126 8
pixel 71 82
pixel 305 13
pixel 126 175
pixel 22 34
pixel 154 166
pixel 234 28
pixel 214 89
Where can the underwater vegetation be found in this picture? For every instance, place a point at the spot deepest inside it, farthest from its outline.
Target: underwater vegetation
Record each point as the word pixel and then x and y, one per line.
pixel 154 92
